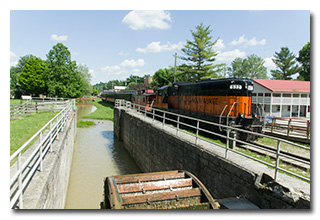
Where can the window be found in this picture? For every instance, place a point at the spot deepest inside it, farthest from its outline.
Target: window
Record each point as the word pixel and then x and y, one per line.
pixel 278 108
pixel 286 95
pixel 260 94
pixel 267 94
pixel 276 95
pixel 289 107
pixel 304 95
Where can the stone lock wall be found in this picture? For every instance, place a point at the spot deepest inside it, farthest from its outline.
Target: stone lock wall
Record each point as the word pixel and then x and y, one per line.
pixel 154 149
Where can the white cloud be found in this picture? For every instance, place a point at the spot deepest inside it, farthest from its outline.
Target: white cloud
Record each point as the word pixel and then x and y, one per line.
pixel 219 45
pixel 229 56
pixel 252 42
pixel 13 59
pixel 139 20
pixel 55 37
pixel 156 47
pixel 132 63
pixel 269 63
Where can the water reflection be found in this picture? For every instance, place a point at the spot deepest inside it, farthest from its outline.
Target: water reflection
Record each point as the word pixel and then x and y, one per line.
pixel 97 155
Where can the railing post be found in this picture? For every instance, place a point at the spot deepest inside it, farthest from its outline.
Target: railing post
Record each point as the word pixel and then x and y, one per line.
pixel 178 120
pixel 197 132
pixel 277 161
pixel 289 127
pixel 152 115
pixel 164 118
pixel 51 132
pixel 40 151
pixel 227 147
pixel 20 181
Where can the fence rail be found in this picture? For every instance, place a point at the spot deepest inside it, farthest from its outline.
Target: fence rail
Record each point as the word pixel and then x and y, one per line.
pixel 24 168
pixel 289 127
pixel 175 120
pixel 36 106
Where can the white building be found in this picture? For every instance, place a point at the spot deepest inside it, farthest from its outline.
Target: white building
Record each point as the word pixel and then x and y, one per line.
pixel 282 98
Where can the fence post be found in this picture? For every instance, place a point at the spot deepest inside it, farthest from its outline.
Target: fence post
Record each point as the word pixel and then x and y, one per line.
pixel 164 118
pixel 308 129
pixel 277 161
pixel 197 132
pixel 40 138
pixel 289 126
pixel 227 147
pixel 178 120
pixel 152 115
pixel 20 182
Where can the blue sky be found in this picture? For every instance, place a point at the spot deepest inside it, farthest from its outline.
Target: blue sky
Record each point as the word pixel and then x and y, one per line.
pixel 117 43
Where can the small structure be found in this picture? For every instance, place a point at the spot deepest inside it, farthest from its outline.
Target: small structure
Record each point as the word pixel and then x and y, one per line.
pixel 282 98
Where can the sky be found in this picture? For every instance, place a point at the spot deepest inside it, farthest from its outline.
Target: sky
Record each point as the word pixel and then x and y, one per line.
pixel 114 44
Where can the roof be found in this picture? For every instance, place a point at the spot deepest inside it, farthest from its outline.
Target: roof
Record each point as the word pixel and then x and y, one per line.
pixel 284 85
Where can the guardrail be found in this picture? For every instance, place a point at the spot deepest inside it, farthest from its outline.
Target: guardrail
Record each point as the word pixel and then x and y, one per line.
pixel 175 120
pixel 36 106
pixel 22 171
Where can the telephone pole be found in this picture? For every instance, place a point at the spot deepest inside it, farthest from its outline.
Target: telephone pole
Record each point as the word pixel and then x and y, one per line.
pixel 175 66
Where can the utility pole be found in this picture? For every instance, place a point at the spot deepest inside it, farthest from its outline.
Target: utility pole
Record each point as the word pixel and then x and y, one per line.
pixel 175 66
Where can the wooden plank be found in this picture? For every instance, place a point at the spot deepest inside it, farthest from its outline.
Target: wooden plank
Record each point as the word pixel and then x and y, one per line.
pixel 150 177
pixel 177 194
pixel 157 185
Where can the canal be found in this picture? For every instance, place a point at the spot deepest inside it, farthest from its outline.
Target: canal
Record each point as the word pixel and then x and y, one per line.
pixel 96 155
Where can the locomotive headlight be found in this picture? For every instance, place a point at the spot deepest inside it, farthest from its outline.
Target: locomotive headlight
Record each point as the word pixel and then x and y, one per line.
pixel 250 87
pixel 235 86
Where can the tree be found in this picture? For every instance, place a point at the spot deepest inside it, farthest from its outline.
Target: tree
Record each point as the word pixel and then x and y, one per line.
pixel 63 78
pixel 86 77
pixel 32 77
pixel 199 53
pixel 14 75
pixel 251 67
pixel 286 62
pixel 304 60
pixel 162 77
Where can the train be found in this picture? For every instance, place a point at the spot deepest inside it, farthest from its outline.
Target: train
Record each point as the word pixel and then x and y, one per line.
pixel 225 101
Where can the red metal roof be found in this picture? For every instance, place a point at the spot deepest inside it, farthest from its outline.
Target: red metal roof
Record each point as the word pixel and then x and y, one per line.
pixel 284 85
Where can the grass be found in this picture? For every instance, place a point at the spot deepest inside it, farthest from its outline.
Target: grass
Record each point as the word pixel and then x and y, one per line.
pixel 104 111
pixel 23 129
pixel 85 124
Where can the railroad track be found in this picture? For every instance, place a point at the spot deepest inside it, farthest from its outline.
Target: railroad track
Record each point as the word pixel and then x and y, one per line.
pixel 273 152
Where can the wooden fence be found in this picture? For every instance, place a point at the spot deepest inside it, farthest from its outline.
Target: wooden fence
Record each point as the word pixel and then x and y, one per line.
pixel 36 106
pixel 290 127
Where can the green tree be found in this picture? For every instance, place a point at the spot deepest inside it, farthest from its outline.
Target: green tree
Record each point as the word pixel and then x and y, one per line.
pixel 162 77
pixel 304 60
pixel 32 77
pixel 63 78
pixel 251 67
pixel 286 63
pixel 86 77
pixel 14 75
pixel 199 53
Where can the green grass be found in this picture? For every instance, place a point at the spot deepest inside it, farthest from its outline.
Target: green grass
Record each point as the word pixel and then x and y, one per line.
pixel 84 124
pixel 104 111
pixel 23 129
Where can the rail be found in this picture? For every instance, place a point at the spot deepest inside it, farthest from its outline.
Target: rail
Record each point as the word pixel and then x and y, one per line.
pixel 24 168
pixel 36 106
pixel 278 153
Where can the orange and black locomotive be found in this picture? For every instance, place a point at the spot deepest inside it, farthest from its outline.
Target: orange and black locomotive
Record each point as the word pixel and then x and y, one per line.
pixel 225 101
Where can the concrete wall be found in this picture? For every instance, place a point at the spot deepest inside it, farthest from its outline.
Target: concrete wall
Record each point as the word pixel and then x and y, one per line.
pixel 48 188
pixel 155 149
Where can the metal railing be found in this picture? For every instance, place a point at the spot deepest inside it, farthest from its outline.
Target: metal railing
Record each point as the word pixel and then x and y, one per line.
pixel 25 167
pixel 230 135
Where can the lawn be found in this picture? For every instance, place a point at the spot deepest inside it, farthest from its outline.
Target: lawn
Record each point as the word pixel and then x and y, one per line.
pixel 104 111
pixel 23 129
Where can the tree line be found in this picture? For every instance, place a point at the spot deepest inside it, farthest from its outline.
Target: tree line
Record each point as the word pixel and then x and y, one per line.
pixel 199 62
pixel 57 76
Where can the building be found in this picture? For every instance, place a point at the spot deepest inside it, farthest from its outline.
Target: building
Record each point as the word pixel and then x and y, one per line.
pixel 282 98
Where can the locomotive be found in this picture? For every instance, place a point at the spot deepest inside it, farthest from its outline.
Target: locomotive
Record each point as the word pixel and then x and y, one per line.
pixel 225 101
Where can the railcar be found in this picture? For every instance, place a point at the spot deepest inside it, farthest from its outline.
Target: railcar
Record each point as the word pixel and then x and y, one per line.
pixel 225 101
pixel 111 96
pixel 144 97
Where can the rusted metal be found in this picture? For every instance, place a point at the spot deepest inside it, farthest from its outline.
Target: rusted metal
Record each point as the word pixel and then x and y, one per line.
pixel 158 190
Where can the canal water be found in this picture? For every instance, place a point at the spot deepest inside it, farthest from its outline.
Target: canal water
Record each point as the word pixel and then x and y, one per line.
pixel 96 155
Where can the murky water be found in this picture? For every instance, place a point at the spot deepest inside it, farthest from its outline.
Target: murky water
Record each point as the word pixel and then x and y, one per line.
pixel 97 155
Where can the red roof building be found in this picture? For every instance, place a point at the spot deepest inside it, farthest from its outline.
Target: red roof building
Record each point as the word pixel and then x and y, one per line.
pixel 282 98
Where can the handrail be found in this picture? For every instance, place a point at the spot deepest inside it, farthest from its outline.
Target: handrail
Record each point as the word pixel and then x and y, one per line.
pixel 278 153
pixel 26 169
